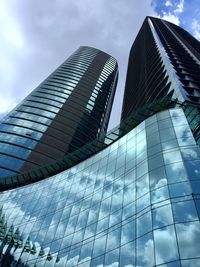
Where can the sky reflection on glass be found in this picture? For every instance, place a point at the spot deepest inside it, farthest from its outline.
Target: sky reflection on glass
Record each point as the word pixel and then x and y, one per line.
pixel 111 212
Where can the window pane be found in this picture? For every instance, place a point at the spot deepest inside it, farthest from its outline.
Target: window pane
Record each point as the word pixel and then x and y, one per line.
pixel 145 251
pixel 127 255
pixel 144 224
pixel 188 235
pixel 184 211
pixel 165 241
pixel 162 216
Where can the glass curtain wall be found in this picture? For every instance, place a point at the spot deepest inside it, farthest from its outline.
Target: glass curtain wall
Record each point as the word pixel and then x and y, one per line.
pixel 136 203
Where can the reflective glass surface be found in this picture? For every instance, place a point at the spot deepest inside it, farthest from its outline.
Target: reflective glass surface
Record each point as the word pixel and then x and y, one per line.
pixel 66 111
pixel 124 206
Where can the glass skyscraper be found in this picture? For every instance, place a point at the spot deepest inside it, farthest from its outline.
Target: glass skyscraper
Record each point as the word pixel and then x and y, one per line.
pixel 67 110
pixel 129 199
pixel 164 61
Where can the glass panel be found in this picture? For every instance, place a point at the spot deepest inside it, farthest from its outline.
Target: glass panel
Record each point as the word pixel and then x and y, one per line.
pixel 86 250
pixel 176 172
pixel 153 139
pixel 167 134
pixel 180 189
pixel 191 263
pixel 195 185
pixel 112 258
pixel 169 144
pixel 162 115
pixel 172 156
pixel 141 169
pixel 156 162
pixel 184 211
pixel 166 123
pixel 171 264
pixel 157 178
pixel 128 231
pixel 127 255
pixel 129 177
pixel 144 224
pixel 192 153
pixel 162 216
pixel 128 211
pixel 150 120
pixel 197 204
pixel 183 131
pixel 94 262
pixel 99 246
pixel 141 147
pixel 113 240
pixel 154 150
pixel 142 186
pixel 145 251
pixel 165 240
pixel 143 202
pixel 129 194
pixel 193 169
pixel 188 235
pixel 152 129
pixel 159 194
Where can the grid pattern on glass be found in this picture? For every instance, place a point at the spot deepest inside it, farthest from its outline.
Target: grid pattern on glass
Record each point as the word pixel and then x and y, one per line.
pixel 57 112
pixel 125 206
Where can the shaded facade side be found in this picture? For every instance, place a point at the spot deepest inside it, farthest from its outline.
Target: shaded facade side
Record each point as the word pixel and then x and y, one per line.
pixel 70 108
pixel 163 61
pixel 125 206
pixel 183 52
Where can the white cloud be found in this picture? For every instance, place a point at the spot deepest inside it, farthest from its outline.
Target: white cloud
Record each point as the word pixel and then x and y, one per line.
pixel 196 29
pixel 168 3
pixel 7 103
pixel 148 249
pixel 34 43
pixel 10 28
pixel 188 237
pixel 179 7
pixel 85 262
pixel 12 44
pixel 73 261
pixel 171 18
pixel 115 264
pixel 165 240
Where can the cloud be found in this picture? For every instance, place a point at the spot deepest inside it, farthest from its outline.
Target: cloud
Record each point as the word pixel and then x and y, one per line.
pixel 171 18
pixel 7 103
pixel 10 28
pixel 171 12
pixel 165 240
pixel 196 28
pixel 179 7
pixel 168 3
pixel 188 237
pixel 12 45
pixel 36 37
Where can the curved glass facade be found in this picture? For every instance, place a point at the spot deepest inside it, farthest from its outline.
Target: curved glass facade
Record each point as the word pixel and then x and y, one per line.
pixel 70 108
pixel 136 203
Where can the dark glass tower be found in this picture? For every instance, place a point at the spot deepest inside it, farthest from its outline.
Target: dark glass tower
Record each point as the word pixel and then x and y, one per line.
pixel 67 110
pixel 164 61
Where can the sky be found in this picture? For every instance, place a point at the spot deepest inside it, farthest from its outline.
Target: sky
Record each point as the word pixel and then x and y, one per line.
pixel 37 36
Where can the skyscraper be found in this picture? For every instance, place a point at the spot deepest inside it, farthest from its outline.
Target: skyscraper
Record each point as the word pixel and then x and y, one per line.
pixel 134 203
pixel 164 61
pixel 68 109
